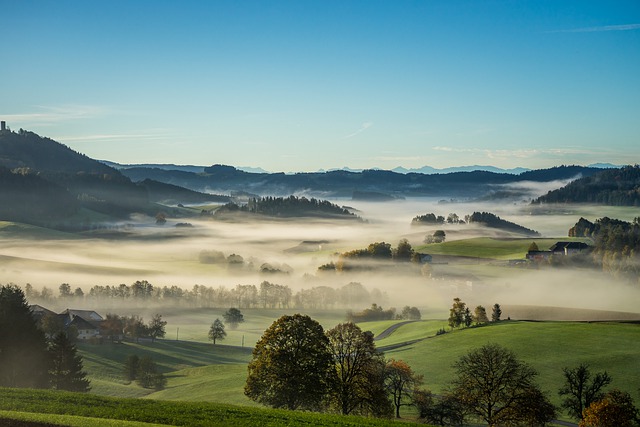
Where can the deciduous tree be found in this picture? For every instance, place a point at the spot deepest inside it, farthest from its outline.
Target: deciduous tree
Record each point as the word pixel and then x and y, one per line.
pixel 291 365
pixel 401 383
pixel 358 383
pixel 480 315
pixel 616 408
pixel 156 327
pixel 216 331
pixel 233 317
pixel 580 391
pixel 494 385
pixel 112 327
pixel 456 313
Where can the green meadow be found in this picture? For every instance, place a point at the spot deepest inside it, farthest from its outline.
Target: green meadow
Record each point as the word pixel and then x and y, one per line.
pixel 198 371
pixel 91 410
pixel 489 247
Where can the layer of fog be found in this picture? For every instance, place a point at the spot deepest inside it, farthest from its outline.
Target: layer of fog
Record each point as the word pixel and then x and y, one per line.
pixel 167 256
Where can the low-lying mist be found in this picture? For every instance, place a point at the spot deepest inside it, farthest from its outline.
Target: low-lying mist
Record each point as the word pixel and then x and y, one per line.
pixel 289 252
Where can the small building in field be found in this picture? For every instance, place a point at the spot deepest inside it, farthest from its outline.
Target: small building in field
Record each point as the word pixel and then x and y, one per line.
pixel 558 249
pixel 568 248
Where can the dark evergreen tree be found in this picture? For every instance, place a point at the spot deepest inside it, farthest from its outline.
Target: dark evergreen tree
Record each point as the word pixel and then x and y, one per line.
pixel 24 361
pixel 66 366
pixel 496 312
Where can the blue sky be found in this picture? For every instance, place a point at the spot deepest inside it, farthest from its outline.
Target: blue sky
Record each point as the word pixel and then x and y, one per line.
pixel 307 85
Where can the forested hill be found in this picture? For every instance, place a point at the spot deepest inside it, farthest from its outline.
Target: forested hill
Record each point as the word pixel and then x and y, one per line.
pixel 24 149
pixel 615 187
pixel 57 180
pixel 225 179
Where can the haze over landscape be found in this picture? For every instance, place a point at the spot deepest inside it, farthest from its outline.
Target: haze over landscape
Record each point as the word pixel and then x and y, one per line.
pixel 427 181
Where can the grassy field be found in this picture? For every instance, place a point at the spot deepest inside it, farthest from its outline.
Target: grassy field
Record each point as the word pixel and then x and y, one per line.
pixel 200 371
pixel 547 346
pixel 490 248
pixel 97 409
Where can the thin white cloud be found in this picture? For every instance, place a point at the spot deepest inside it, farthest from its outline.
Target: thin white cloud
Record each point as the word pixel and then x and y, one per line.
pixel 363 127
pixel 625 27
pixel 50 115
pixel 114 137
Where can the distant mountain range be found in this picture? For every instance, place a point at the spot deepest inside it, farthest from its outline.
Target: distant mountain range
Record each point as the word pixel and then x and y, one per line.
pixel 224 179
pixel 42 181
pixel 427 170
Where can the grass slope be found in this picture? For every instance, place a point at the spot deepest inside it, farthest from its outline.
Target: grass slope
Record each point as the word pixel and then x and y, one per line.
pixel 488 247
pixel 547 346
pixel 29 418
pixel 167 412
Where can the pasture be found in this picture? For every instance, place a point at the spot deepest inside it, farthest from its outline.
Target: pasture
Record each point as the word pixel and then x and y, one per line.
pixel 98 410
pixel 201 371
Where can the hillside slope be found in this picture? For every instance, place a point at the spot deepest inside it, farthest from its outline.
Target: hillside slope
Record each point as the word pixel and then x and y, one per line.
pixel 614 187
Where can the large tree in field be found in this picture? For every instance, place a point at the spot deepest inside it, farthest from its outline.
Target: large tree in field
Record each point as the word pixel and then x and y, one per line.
pixel 358 383
pixel 495 386
pixel 580 390
pixel 156 327
pixel 616 408
pixel 233 317
pixel 24 360
pixel 66 366
pixel 401 382
pixel 291 365
pixel 216 331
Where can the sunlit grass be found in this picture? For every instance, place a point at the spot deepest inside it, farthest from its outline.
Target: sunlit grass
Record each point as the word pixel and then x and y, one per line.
pixel 547 346
pixel 71 420
pixel 488 247
pixel 166 412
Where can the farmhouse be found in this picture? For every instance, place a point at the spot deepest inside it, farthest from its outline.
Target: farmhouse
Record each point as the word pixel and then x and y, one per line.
pixel 558 249
pixel 568 248
pixel 86 322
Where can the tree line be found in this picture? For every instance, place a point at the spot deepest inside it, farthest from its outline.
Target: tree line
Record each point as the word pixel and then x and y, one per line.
pixel 363 259
pixel 616 244
pixel 291 206
pixel 614 187
pixel 487 219
pixel 265 295
pixel 297 365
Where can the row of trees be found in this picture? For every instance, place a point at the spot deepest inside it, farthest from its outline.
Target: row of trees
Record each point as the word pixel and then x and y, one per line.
pixel 376 312
pixel 616 246
pixel 460 314
pixel 485 218
pixel 297 365
pixel 144 371
pixel 133 327
pixel 363 259
pixel 266 295
pixel 27 357
pixel 289 207
pixel 432 219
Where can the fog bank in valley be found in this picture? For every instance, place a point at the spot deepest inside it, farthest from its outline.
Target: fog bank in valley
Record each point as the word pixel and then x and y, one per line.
pixel 168 256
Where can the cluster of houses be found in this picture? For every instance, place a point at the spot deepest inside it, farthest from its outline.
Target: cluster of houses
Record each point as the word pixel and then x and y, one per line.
pixel 86 322
pixel 558 249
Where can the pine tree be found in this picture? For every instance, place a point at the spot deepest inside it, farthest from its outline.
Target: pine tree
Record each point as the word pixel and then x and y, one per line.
pixel 66 366
pixel 23 346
